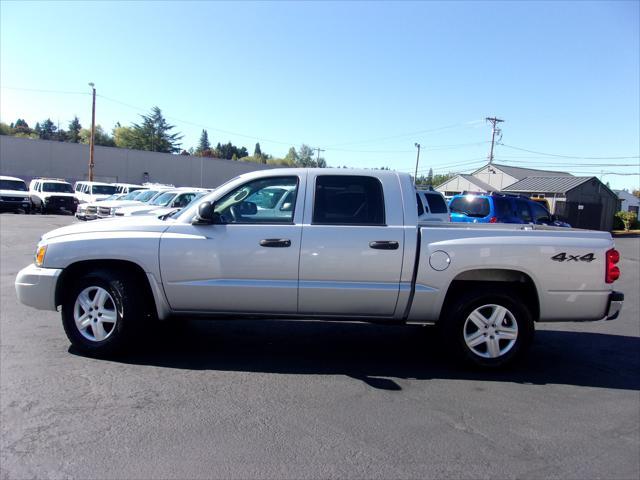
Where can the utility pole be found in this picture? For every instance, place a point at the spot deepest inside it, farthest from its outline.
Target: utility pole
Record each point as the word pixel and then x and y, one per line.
pixel 318 149
pixel 493 121
pixel 415 176
pixel 93 132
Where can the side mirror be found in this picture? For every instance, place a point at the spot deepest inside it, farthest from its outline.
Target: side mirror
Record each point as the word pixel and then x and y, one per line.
pixel 207 215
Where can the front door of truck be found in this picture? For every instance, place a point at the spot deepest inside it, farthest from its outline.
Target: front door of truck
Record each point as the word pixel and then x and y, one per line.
pixel 247 264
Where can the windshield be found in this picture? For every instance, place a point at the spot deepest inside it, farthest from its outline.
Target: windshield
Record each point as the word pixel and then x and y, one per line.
pixel 115 196
pixel 13 185
pixel 57 187
pixel 470 206
pixel 103 189
pixel 163 200
pixel 133 195
pixel 146 195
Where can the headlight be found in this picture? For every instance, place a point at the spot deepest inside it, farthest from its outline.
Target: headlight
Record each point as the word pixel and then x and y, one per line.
pixel 40 251
pixel 113 210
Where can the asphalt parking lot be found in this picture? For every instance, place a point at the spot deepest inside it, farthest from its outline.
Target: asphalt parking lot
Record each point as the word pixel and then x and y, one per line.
pixel 275 399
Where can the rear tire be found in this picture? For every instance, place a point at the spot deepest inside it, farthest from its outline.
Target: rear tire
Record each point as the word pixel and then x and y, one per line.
pixel 101 314
pixel 488 329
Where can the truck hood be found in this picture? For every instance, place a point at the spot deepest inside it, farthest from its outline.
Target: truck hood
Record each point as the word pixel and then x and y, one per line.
pixel 121 224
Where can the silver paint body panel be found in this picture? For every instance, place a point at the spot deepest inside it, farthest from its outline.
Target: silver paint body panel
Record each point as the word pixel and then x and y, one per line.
pixel 328 270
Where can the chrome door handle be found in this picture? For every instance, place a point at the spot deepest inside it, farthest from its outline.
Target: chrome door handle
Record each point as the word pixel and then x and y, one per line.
pixel 384 245
pixel 275 242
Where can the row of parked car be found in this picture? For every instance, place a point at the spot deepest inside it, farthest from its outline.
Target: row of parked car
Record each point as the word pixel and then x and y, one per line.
pixel 92 200
pixel 485 208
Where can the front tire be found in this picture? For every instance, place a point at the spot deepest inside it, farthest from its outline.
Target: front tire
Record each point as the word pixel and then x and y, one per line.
pixel 100 314
pixel 488 329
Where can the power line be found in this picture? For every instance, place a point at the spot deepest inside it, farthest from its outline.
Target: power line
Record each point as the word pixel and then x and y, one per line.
pixel 45 91
pixel 575 157
pixel 430 149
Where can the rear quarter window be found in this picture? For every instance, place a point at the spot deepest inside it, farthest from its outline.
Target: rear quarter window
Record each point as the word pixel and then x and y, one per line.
pixel 436 203
pixel 471 206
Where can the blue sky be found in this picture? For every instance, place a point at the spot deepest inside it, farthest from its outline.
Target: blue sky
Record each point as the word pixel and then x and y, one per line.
pixel 364 81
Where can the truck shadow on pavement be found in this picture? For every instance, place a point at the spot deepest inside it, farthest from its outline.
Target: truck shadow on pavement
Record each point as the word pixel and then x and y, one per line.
pixel 381 355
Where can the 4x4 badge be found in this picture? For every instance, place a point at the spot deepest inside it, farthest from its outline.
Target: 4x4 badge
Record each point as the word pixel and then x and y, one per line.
pixel 562 257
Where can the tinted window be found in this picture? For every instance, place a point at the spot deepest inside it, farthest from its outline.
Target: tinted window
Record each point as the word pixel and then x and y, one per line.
pixel 540 214
pixel 420 206
pixel 502 207
pixel 57 187
pixel 523 210
pixel 348 200
pixel 470 206
pixel 13 185
pixel 436 203
pixel 103 189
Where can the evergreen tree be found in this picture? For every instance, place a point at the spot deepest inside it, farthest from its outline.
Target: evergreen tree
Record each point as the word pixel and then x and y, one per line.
pixel 73 134
pixel 430 177
pixel 257 152
pixel 153 134
pixel 203 144
pixel 47 130
pixel 21 126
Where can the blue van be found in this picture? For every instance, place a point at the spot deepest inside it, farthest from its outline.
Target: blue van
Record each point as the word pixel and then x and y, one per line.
pixel 500 208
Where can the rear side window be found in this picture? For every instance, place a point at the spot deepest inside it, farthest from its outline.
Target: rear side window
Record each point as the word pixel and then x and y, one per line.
pixel 436 203
pixel 420 207
pixel 540 214
pixel 348 200
pixel 502 208
pixel 523 210
pixel 470 206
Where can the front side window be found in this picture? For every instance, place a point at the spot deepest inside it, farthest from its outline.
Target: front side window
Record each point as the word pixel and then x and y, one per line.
pixel 348 200
pixel 260 201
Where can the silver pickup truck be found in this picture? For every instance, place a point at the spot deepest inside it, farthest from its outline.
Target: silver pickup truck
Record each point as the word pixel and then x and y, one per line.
pixel 346 245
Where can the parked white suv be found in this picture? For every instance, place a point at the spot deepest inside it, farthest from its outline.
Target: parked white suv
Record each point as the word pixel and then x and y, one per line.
pixel 432 207
pixel 52 194
pixel 14 195
pixel 93 191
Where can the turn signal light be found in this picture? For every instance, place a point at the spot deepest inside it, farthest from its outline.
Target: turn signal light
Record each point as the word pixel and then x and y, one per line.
pixel 40 255
pixel 612 272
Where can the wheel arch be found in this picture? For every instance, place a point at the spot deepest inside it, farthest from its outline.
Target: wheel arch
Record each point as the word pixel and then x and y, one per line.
pixel 494 278
pixel 77 269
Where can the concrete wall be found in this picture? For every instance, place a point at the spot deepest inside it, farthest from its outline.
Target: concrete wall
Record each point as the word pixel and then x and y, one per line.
pixel 27 158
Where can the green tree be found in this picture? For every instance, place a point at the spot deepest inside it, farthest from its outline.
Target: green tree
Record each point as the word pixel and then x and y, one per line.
pixel 5 129
pixel 73 135
pixel 154 133
pixel 21 126
pixel 46 130
pixel 305 156
pixel 101 137
pixel 203 144
pixel 291 158
pixel 125 137
pixel 627 218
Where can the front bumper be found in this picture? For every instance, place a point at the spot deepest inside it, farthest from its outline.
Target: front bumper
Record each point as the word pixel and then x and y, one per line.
pixel 616 299
pixel 36 287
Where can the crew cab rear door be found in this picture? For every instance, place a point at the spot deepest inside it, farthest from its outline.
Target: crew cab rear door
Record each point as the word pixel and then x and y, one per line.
pixel 247 264
pixel 352 245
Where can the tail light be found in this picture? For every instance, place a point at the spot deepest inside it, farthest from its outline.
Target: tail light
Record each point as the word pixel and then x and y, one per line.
pixel 612 272
pixel 493 220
